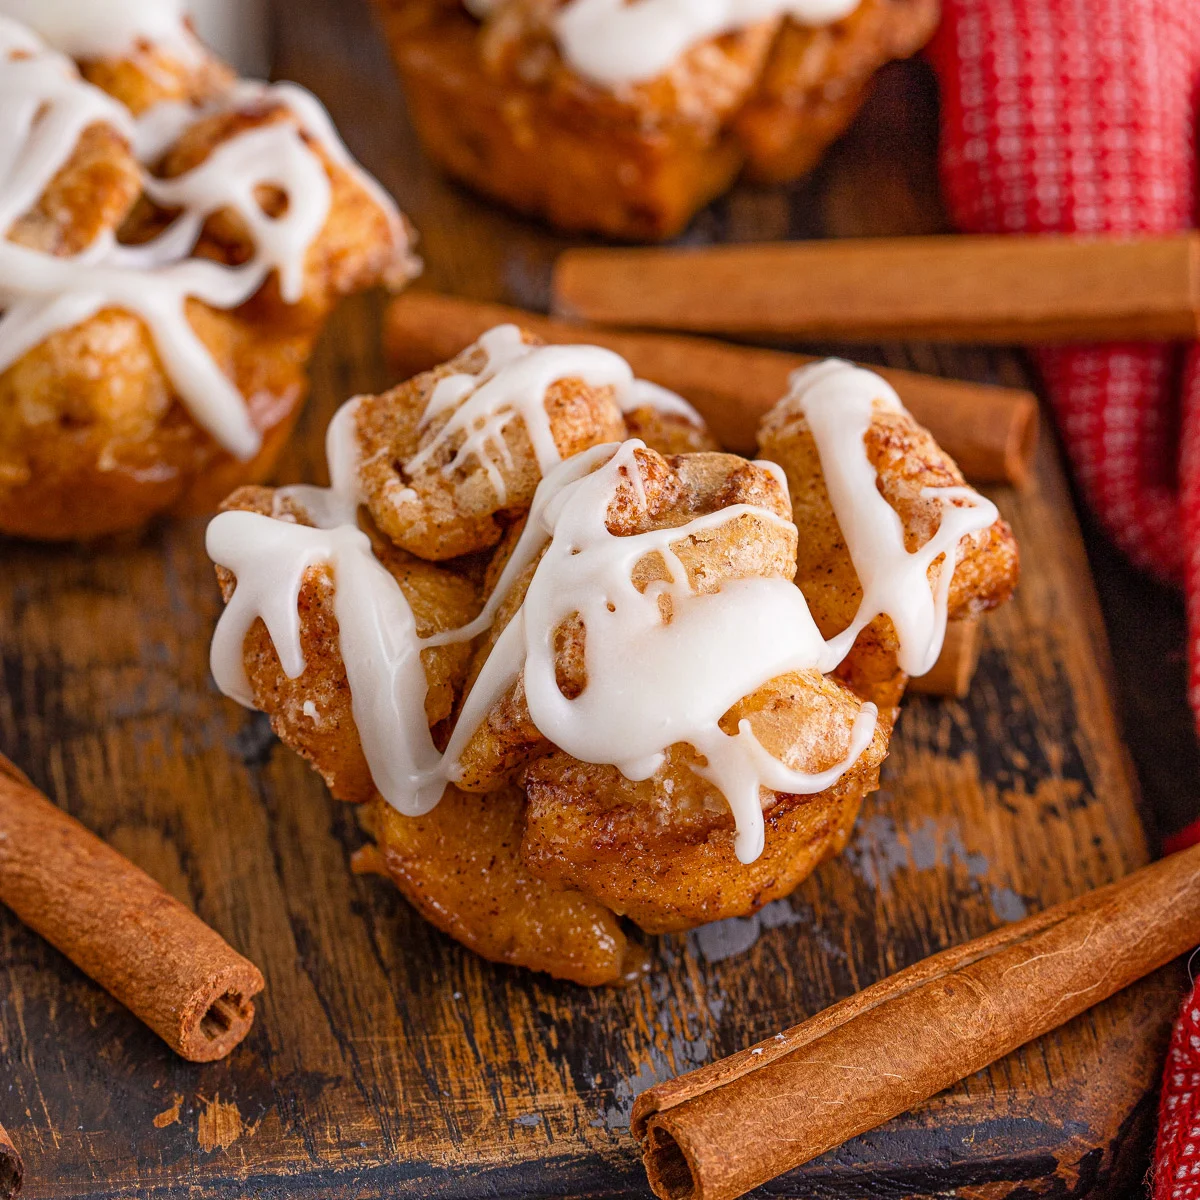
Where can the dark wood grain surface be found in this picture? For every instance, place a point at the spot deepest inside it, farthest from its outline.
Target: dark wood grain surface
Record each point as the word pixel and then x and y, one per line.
pixel 386 1059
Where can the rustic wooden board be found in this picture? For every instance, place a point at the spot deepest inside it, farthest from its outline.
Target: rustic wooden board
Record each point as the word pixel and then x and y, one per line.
pixel 387 1060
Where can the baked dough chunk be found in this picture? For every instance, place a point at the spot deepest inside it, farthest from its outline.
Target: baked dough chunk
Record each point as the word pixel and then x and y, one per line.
pixel 661 851
pixel 438 509
pixel 312 713
pixel 817 78
pixel 89 196
pixel 154 74
pixel 669 432
pixel 533 856
pixel 497 107
pixel 460 867
pixel 907 460
pixel 94 440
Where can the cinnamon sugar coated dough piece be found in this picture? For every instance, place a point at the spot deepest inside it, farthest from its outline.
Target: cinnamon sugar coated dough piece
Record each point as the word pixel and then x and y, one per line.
pixel 669 432
pixel 626 119
pixel 662 851
pixel 460 867
pixel 641 695
pixel 412 434
pixel 171 242
pixel 907 462
pixel 312 713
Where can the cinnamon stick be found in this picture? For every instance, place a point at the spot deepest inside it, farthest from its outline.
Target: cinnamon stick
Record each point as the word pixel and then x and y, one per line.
pixel 955 668
pixel 956 289
pixel 120 927
pixel 12 1169
pixel 991 432
pixel 718 1132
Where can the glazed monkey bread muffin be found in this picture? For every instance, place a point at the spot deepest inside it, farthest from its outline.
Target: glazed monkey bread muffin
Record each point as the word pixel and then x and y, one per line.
pixel 574 677
pixel 172 241
pixel 624 117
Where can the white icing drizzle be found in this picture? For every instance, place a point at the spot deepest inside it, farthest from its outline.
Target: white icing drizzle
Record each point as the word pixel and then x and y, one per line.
pixel 511 385
pixel 41 294
pixel 314 118
pixel 616 42
pixel 376 632
pixel 106 28
pixel 837 400
pixel 650 684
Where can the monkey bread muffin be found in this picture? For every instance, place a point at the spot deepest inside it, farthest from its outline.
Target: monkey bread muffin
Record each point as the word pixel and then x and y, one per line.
pixel 577 679
pixel 172 239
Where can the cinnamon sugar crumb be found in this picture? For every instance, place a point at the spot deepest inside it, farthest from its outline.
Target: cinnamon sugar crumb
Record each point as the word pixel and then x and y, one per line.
pixel 169 1116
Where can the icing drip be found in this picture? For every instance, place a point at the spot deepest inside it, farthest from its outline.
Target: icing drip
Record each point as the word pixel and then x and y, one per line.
pixel 512 385
pixel 42 294
pixel 838 400
pixel 338 503
pixel 615 42
pixel 316 121
pixel 106 28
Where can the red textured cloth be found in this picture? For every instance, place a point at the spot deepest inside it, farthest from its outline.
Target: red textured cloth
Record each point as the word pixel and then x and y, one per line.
pixel 1078 116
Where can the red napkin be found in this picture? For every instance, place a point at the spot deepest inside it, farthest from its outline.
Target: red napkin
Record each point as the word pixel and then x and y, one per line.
pixel 1078 116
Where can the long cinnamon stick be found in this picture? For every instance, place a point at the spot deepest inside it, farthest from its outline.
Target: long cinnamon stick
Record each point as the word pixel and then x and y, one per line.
pixel 120 927
pixel 720 1131
pixel 991 432
pixel 12 1169
pixel 959 289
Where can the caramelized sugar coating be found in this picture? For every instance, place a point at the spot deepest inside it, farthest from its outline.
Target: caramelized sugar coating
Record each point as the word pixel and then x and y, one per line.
pixel 817 78
pixel 440 515
pixel 91 195
pixel 93 438
pixel 677 490
pixel 661 851
pixel 460 867
pixel 668 432
pixel 153 75
pixel 907 460
pixel 495 105
pixel 312 713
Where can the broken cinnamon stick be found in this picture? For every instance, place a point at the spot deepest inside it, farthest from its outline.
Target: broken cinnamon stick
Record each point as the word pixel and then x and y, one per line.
pixel 120 927
pixel 12 1169
pixel 955 668
pixel 991 432
pixel 718 1132
pixel 957 289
